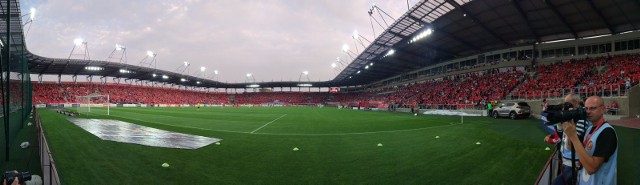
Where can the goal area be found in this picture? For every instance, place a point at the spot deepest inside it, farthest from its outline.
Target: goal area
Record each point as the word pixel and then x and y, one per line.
pixel 93 104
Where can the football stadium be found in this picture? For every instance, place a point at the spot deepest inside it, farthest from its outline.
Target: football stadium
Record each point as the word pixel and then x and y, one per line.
pixel 422 92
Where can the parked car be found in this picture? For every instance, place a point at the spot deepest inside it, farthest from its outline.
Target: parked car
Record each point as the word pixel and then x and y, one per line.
pixel 512 110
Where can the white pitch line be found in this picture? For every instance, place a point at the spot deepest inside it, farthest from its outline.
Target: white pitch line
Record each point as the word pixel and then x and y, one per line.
pixel 356 133
pixel 268 123
pixel 299 134
pixel 182 126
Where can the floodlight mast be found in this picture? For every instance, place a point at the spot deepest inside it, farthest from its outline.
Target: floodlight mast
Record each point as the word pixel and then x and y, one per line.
pixel 32 16
pixel 183 68
pixel 304 75
pixel 250 78
pixel 345 49
pixel 150 60
pixel 214 75
pixel 83 49
pixel 357 37
pixel 119 54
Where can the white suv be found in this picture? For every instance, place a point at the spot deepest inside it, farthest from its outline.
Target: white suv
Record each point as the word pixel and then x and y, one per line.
pixel 512 110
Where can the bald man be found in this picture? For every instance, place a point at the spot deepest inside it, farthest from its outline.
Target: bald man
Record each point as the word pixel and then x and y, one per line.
pixel 598 153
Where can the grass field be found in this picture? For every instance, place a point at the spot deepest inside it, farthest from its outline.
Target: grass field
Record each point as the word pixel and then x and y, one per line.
pixel 336 147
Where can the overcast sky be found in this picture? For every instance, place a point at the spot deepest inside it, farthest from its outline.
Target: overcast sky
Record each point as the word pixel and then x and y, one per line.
pixel 272 39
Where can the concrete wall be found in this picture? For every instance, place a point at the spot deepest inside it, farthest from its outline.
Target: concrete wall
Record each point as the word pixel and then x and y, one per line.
pixel 634 102
pixel 624 106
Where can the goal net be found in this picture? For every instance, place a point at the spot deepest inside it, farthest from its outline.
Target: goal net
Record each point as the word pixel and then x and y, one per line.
pixel 93 104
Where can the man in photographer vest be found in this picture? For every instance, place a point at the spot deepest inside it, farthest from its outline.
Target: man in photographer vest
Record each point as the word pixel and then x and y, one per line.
pixel 598 152
pixel 569 169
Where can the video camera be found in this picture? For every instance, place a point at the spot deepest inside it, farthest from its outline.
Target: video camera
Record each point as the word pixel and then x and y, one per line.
pixel 11 175
pixel 561 113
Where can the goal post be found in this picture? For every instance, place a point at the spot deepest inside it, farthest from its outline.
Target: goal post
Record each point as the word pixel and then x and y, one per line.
pixel 97 104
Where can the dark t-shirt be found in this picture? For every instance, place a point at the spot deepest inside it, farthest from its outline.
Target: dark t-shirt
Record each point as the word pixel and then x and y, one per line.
pixel 607 144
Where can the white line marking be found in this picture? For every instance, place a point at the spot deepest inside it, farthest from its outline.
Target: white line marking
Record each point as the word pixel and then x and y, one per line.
pixel 355 133
pixel 183 126
pixel 268 123
pixel 296 134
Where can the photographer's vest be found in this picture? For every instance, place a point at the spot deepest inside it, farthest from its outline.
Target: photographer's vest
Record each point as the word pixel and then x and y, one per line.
pixel 581 129
pixel 607 172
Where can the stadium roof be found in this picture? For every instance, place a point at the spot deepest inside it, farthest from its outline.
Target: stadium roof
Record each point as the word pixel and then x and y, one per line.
pixel 463 28
pixel 460 28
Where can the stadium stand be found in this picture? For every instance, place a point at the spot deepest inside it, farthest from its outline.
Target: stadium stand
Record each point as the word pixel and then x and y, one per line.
pixel 591 76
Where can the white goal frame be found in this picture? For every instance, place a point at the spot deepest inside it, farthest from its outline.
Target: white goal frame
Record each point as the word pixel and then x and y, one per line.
pixel 86 102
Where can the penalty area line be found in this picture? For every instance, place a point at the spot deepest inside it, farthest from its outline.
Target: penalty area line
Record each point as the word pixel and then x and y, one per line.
pixel 267 124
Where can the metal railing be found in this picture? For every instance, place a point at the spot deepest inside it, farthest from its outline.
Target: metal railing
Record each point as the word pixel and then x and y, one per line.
pixel 585 91
pixel 550 170
pixel 49 171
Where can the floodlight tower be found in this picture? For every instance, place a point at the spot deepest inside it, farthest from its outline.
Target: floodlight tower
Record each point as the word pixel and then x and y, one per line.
pixel 334 66
pixel 32 16
pixel 345 49
pixel 342 64
pixel 214 75
pixel 357 37
pixel 149 60
pixel 119 54
pixel 83 50
pixel 304 75
pixel 374 8
pixel 250 78
pixel 202 69
pixel 184 68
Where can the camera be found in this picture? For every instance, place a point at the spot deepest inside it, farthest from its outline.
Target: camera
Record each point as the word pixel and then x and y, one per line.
pixel 561 113
pixel 11 175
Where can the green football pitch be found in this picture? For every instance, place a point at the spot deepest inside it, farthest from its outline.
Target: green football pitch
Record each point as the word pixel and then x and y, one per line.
pixel 336 146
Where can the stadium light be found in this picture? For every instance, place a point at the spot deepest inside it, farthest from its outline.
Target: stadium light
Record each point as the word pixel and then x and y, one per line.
pixel 125 71
pixel 390 52
pixel 305 72
pixel 355 34
pixel 186 63
pixel 345 48
pixel 202 68
pixel 366 67
pixel 183 80
pixel 198 82
pixel 150 53
pixel 422 35
pixel 119 47
pixel 154 75
pixel 358 72
pixel 32 15
pixel 165 77
pixel 371 64
pixel 93 68
pixel 334 65
pixel 78 42
pixel 249 74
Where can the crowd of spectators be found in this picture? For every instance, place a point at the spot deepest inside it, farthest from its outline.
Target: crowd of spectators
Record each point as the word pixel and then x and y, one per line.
pixel 121 93
pixel 67 92
pixel 590 74
pixel 470 88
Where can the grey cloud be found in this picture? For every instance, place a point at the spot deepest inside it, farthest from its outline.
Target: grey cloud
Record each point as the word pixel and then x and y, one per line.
pixel 274 40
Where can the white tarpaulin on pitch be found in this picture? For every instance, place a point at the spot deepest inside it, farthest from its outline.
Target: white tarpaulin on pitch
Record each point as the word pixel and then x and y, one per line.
pixel 120 131
pixel 448 113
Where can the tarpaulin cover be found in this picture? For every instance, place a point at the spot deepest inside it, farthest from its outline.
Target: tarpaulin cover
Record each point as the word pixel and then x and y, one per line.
pixel 119 131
